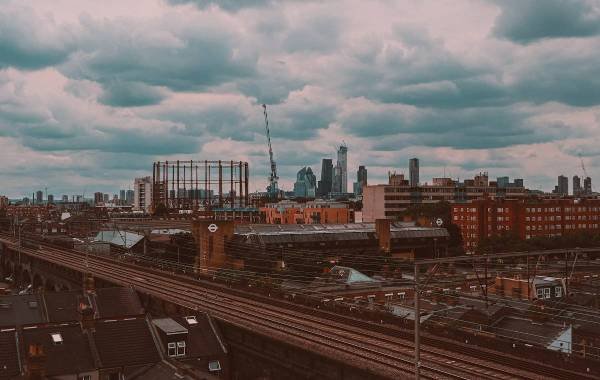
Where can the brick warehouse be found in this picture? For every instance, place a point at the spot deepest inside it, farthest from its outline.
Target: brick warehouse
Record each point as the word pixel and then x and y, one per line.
pixel 526 218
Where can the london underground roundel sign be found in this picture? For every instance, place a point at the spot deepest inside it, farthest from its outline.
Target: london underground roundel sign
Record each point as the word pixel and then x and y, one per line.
pixel 213 227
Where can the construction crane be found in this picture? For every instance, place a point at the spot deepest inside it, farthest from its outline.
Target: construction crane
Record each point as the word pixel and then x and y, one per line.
pixel 583 166
pixel 272 189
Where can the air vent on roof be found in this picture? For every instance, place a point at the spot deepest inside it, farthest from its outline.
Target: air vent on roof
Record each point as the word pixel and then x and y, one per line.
pixel 191 320
pixel 56 338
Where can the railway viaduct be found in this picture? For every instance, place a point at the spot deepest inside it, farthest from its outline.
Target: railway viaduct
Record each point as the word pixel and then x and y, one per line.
pixel 266 340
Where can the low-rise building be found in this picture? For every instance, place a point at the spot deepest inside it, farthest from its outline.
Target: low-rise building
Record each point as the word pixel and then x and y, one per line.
pixel 542 217
pixel 315 212
pixel 392 199
pixel 536 288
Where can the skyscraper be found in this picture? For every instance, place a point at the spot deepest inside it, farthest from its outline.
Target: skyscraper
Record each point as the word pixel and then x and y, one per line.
pixel 341 170
pixel 413 170
pixel 587 186
pixel 122 196
pixel 502 181
pixel 65 198
pixel 98 198
pixel 563 185
pixel 326 182
pixel 305 185
pixel 50 198
pixel 129 196
pixel 39 197
pixel 576 185
pixel 361 180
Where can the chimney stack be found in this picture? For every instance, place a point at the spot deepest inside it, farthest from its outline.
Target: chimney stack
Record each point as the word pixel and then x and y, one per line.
pixel 35 362
pixel 382 229
pixel 86 313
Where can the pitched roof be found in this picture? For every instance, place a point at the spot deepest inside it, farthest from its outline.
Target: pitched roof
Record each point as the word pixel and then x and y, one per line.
pixel 203 337
pixel 9 357
pixel 123 239
pixel 280 233
pixel 125 342
pixel 160 371
pixel 62 306
pixel 349 275
pixel 118 302
pixel 71 356
pixel 19 310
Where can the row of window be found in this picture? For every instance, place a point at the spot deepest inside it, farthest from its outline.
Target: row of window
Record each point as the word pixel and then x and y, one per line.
pixel 544 293
pixel 176 349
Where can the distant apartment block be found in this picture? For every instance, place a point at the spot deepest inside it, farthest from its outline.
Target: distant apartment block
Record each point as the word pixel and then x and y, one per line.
pixel 142 198
pixel 391 199
pixel 413 171
pixel 525 218
pixel 317 212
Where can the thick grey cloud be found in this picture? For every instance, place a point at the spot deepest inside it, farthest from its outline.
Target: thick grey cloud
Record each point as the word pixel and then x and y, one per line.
pixel 28 41
pixel 181 57
pixel 229 5
pixel 130 94
pixel 531 20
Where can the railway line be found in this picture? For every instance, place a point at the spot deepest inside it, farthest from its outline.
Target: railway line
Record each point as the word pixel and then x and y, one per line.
pixel 381 354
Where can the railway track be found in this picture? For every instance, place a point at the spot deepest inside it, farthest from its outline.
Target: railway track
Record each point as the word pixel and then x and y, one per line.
pixel 392 355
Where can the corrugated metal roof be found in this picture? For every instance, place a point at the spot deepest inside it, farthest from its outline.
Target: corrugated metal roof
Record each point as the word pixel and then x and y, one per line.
pixel 121 238
pixel 274 233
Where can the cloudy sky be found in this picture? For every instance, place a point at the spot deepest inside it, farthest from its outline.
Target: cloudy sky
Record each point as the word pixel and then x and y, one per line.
pixel 92 92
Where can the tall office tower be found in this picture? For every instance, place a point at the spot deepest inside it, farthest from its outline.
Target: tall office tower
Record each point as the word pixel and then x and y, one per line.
pixel 342 162
pixel 413 172
pixel 39 197
pixel 98 198
pixel 105 198
pixel 519 182
pixel 361 180
pixel 326 182
pixel 305 185
pixel 50 198
pixel 65 198
pixel 563 185
pixel 587 186
pixel 336 187
pixel 576 185
pixel 502 182
pixel 129 196
pixel 122 196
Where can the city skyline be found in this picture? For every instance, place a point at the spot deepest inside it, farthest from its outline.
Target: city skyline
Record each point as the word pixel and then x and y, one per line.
pixel 91 95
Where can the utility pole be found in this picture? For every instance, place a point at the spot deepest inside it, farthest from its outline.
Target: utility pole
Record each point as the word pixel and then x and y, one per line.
pixel 417 325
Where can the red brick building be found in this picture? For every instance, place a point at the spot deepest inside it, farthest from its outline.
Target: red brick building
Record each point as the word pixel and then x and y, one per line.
pixel 315 212
pixel 526 218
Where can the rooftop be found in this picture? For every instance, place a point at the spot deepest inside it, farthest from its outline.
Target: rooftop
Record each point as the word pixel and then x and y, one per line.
pixel 123 239
pixel 169 326
pixel 398 230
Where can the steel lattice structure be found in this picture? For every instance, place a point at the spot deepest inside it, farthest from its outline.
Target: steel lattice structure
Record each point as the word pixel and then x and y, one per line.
pixel 194 185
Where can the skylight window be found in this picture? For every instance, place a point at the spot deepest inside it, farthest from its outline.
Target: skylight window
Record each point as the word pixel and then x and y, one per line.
pixel 56 338
pixel 214 366
pixel 191 320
